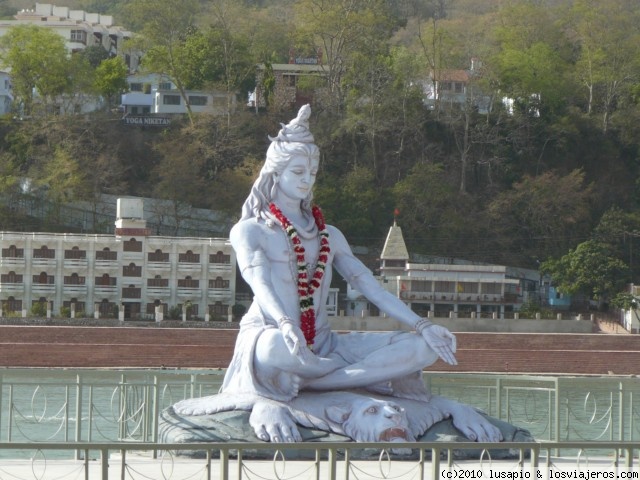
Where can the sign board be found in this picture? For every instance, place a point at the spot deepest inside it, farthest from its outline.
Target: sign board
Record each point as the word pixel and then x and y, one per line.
pixel 145 121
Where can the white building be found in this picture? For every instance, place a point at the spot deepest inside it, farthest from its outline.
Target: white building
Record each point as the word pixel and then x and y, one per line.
pixel 156 94
pixel 80 29
pixel 128 274
pixel 6 93
pixel 443 288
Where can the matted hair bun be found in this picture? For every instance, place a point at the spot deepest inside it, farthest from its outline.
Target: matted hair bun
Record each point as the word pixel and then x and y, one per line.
pixel 297 130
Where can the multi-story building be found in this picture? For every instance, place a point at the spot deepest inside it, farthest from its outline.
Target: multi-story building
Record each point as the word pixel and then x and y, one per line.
pixel 127 275
pixel 156 94
pixel 442 288
pixel 80 29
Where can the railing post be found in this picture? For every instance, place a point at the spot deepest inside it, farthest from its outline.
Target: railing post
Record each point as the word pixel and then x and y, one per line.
pixel 78 435
pixel 332 458
pixel 224 463
pixel 104 462
pixel 435 463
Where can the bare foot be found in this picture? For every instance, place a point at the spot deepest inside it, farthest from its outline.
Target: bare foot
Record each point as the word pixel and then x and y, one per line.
pixel 272 422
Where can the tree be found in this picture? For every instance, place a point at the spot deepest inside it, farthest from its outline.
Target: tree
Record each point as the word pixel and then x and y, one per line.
pixel 339 29
pixel 164 28
pixel 111 78
pixel 38 60
pixel 542 216
pixel 591 269
pixel 607 35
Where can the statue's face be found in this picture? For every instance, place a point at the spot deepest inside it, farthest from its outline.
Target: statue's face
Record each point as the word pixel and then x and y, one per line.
pixel 297 179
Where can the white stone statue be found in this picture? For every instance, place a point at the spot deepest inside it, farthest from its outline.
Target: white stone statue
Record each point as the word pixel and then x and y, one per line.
pixel 286 352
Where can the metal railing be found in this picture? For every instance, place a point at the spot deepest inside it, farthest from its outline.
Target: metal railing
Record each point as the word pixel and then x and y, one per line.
pixel 124 405
pixel 331 461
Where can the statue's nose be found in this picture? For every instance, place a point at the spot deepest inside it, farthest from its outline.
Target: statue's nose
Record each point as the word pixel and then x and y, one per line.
pixel 391 411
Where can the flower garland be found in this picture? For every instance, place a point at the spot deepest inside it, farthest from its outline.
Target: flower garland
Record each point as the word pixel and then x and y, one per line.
pixel 306 287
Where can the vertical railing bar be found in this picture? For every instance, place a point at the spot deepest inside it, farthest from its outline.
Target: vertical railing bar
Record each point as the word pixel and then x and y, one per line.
pixel 421 465
pixel 123 463
pixel 209 455
pixel 90 415
pixel 347 463
pixel 435 463
pixel 331 463
pixel 239 460
pixel 86 464
pixel 78 432
pixel 155 412
pixel 66 413
pixel 10 420
pixel 104 463
pixel 318 459
pixel 224 462
pixel 499 399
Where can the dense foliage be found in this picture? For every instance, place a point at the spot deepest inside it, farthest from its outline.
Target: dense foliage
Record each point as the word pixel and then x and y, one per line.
pixel 548 177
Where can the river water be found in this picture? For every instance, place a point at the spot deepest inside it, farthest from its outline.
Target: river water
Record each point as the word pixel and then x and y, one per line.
pixel 53 405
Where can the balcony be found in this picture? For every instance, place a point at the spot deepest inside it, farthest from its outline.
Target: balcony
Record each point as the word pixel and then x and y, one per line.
pixel 189 292
pixel 11 288
pixel 158 292
pixel 219 267
pixel 105 290
pixel 74 290
pixel 189 267
pixel 219 294
pixel 158 266
pixel 12 262
pixel 131 292
pixel 43 289
pixel 43 262
pixel 75 263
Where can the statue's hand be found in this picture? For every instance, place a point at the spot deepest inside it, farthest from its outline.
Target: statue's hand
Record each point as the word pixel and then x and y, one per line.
pixel 296 343
pixel 442 341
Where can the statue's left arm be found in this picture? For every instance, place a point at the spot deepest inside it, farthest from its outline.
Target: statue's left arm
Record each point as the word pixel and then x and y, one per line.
pixel 440 339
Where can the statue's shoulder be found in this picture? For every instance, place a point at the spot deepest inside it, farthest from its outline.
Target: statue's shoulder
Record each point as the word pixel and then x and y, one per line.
pixel 248 230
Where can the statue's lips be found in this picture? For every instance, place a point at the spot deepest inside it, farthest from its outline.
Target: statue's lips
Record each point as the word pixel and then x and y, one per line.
pixel 395 434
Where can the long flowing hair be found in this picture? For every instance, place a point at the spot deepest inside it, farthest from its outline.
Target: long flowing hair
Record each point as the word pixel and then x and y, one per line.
pixel 279 154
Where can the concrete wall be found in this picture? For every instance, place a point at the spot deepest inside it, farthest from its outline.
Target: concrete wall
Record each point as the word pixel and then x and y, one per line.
pixel 469 325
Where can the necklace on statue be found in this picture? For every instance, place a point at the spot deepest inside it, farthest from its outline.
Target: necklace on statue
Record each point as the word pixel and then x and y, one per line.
pixel 306 286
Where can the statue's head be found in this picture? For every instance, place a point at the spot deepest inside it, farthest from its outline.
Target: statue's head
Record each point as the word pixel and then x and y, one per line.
pixel 293 140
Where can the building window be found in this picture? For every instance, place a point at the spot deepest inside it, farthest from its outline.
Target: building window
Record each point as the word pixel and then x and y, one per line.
pixel 220 257
pixel 74 279
pixel 188 282
pixel 131 270
pixel 13 252
pixel 79 36
pixel 43 279
pixel 151 307
pixel 189 257
pixel 12 305
pixel 197 100
pixel 395 263
pixel 132 246
pixel 492 288
pixel 11 277
pixel 164 86
pixel 420 285
pixel 171 100
pixel 445 287
pixel 289 80
pixel 106 254
pixel 158 256
pixel 467 287
pixel 44 252
pixel 75 253
pixel 219 282
pixel 131 292
pixel 105 281
pixel 218 309
pixel 158 281
pixel 80 306
pixel 107 308
pixel 135 87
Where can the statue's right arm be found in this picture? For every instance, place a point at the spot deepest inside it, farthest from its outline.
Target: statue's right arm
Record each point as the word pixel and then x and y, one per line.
pixel 247 240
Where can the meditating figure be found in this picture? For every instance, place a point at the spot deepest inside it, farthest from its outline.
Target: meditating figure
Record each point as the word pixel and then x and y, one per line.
pixel 286 253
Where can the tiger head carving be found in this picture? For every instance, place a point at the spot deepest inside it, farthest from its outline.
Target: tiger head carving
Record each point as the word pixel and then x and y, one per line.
pixel 366 419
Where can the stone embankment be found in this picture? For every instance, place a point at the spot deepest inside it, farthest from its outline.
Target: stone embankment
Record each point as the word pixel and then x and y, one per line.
pixel 144 347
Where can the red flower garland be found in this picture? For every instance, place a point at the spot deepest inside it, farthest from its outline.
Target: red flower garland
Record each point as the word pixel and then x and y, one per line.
pixel 306 287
